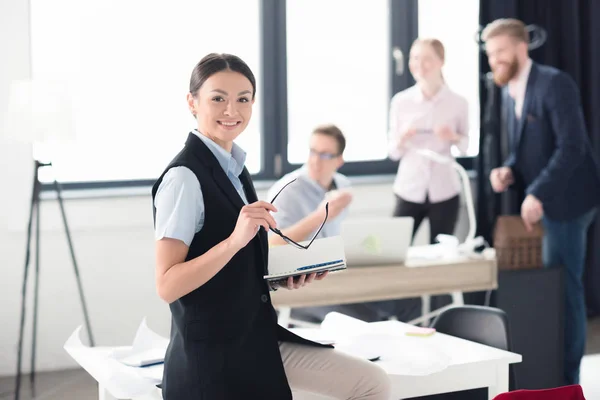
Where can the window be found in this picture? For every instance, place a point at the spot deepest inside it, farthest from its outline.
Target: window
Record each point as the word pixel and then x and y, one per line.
pixel 456 27
pixel 316 62
pixel 129 64
pixel 338 71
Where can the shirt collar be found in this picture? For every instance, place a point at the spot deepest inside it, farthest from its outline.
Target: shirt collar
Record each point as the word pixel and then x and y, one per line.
pixel 517 87
pixel 421 98
pixel 232 163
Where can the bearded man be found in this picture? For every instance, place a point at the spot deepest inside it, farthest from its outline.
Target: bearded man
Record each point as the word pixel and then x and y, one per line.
pixel 552 158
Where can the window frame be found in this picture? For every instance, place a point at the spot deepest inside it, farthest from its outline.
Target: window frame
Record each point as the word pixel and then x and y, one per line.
pixel 273 92
pixel 404 30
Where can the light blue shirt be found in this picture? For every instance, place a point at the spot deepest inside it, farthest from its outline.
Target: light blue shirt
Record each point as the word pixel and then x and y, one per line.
pixel 179 202
pixel 302 197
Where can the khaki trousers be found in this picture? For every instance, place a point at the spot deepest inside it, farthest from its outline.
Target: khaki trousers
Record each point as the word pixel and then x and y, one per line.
pixel 334 374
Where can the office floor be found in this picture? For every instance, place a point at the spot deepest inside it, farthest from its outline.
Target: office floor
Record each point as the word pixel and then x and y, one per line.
pixel 78 385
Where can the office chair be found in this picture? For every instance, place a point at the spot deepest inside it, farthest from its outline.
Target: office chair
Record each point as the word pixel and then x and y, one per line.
pixel 571 392
pixel 484 325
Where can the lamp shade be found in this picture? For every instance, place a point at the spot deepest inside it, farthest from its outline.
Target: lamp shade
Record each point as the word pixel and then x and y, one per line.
pixel 39 111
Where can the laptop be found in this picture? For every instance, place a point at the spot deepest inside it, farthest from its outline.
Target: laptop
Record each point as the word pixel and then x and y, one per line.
pixel 376 240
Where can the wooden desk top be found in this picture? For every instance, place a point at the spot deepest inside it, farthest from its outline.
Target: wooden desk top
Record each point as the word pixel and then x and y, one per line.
pixel 364 284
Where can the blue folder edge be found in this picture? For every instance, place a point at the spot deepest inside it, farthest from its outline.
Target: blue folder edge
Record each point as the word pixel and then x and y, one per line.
pixel 335 265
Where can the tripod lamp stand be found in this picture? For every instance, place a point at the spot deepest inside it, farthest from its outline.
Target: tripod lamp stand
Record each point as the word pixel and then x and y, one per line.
pixel 40 113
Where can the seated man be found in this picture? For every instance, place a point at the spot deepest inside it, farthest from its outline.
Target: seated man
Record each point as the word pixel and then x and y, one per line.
pixel 301 207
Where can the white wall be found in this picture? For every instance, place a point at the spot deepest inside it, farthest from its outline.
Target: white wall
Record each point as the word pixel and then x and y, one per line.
pixel 112 237
pixel 114 248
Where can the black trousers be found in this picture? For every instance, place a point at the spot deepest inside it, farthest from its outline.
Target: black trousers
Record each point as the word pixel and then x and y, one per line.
pixel 442 219
pixel 442 215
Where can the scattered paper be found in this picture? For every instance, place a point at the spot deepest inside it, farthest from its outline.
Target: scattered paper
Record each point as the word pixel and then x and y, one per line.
pixel 343 326
pixel 148 348
pixel 120 380
pixel 404 355
pixel 387 342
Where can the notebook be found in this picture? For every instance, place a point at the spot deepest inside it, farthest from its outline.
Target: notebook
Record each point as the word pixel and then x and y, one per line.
pixel 326 254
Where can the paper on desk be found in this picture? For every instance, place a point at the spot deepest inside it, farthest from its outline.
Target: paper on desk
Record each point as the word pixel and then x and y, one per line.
pixel 348 331
pixel 322 255
pixel 403 355
pixel 121 381
pixel 335 328
pixel 343 326
pixel 148 348
pixel 398 354
pixel 422 256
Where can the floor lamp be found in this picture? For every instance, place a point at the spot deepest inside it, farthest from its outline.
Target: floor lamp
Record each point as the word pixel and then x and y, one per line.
pixel 469 242
pixel 40 112
pixel 466 184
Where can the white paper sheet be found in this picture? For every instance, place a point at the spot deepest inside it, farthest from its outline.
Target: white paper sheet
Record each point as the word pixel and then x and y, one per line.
pixel 398 354
pixel 148 348
pixel 120 380
pixel 401 354
pixel 287 260
pixel 342 326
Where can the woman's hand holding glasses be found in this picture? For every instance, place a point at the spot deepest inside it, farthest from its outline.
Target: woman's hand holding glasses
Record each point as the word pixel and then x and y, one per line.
pixel 251 218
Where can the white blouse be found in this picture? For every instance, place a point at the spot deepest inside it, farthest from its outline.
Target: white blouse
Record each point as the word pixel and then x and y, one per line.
pixel 419 177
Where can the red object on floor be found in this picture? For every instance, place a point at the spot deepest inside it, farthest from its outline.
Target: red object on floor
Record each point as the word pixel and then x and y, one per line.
pixel 571 392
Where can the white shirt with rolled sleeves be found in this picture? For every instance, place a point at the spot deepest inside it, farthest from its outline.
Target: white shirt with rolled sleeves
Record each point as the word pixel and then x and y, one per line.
pixel 418 177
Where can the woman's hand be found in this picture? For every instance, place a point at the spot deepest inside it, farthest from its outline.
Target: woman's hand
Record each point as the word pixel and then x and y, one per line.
pixel 251 218
pixel 406 135
pixel 445 133
pixel 299 281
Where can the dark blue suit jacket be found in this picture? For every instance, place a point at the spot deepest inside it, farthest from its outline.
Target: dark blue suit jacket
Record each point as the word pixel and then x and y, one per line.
pixel 550 152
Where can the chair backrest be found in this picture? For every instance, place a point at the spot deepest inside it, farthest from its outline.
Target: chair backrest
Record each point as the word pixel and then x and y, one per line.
pixel 485 325
pixel 572 392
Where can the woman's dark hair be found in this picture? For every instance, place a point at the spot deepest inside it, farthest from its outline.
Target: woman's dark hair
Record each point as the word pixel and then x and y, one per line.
pixel 213 63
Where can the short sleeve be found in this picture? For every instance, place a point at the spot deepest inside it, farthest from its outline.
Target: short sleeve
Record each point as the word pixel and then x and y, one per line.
pixel 179 206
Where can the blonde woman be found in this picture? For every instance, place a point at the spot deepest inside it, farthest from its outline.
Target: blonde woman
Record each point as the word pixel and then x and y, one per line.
pixel 428 115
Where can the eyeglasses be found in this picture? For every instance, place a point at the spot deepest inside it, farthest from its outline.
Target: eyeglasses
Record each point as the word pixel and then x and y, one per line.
pixel 287 239
pixel 323 156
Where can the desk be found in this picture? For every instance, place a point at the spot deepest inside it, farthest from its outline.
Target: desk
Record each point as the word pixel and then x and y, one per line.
pixel 472 366
pixel 154 393
pixel 103 394
pixel 391 282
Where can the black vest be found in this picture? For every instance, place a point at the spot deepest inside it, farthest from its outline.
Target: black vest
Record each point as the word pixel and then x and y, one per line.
pixel 224 334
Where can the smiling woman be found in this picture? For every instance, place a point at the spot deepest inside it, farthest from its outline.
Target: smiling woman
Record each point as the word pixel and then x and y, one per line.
pixel 226 99
pixel 211 256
